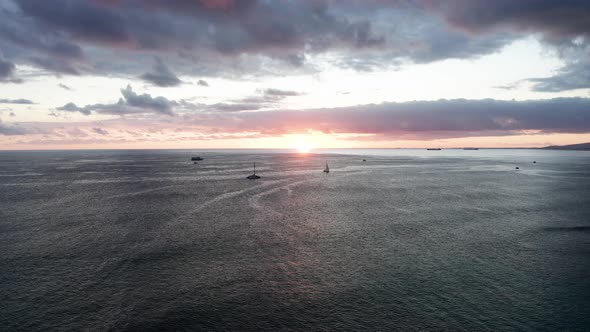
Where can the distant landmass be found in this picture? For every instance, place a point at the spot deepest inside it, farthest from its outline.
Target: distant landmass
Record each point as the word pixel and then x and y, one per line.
pixel 581 146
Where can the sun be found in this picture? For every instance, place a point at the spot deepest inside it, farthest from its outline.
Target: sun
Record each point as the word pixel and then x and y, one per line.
pixel 303 148
pixel 301 144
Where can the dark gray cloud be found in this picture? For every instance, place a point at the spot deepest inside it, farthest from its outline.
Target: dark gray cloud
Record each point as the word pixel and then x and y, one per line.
pixel 280 93
pixel 419 120
pixel 100 131
pixel 57 65
pixel 65 87
pixel 214 36
pixel 131 103
pixel 71 107
pixel 145 101
pixel 11 130
pixel 575 74
pixel 234 107
pixel 266 98
pixel 16 101
pixel 570 77
pixel 25 39
pixel 563 24
pixel 556 19
pixel 197 37
pixel 83 19
pixel 231 28
pixel 161 75
pixel 7 70
pixel 510 86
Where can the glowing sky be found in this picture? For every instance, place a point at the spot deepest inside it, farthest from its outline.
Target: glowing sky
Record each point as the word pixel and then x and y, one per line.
pixel 288 74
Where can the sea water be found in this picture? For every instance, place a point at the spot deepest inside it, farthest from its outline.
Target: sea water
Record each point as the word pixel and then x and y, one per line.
pixel 410 240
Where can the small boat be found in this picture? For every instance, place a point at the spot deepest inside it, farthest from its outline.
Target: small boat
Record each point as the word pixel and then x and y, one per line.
pixel 253 176
pixel 534 162
pixel 195 163
pixel 471 149
pixel 364 160
pixel 433 149
pixel 327 169
pixel 516 167
pixel 196 158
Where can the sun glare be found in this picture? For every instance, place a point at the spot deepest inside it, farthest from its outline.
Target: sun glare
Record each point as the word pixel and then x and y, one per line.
pixel 304 149
pixel 301 144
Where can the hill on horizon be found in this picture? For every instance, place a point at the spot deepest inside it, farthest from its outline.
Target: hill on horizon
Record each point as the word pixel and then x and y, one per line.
pixel 580 146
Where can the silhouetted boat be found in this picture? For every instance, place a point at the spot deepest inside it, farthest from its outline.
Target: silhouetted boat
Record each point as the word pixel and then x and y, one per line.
pixel 364 160
pixel 470 148
pixel 196 158
pixel 433 149
pixel 516 167
pixel 327 169
pixel 253 176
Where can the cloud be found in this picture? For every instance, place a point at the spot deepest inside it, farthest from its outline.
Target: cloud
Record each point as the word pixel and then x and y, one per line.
pixel 563 24
pixel 7 69
pixel 65 87
pixel 161 76
pixel 80 18
pixel 419 119
pixel 71 107
pixel 56 65
pixel 235 107
pixel 16 101
pixel 571 77
pixel 212 37
pixel 104 37
pixel 157 104
pixel 100 131
pixel 575 74
pixel 11 130
pixel 245 26
pixel 266 98
pixel 280 93
pixel 131 103
pixel 555 19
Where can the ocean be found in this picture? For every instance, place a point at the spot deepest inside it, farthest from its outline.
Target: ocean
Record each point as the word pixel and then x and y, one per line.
pixel 410 240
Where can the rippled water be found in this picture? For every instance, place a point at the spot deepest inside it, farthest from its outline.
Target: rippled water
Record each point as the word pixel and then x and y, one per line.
pixel 409 240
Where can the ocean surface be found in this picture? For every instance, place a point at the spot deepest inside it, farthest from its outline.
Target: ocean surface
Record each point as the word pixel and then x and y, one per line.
pixel 410 240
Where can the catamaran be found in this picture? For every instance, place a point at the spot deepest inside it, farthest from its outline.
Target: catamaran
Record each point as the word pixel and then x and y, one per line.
pixel 253 176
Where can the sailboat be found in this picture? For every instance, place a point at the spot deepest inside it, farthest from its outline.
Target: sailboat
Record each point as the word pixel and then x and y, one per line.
pixel 327 169
pixel 253 176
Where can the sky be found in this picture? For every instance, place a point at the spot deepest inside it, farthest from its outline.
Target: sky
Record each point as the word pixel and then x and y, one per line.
pixel 301 74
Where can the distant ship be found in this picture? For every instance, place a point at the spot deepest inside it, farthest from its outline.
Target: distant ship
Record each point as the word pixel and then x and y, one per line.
pixel 433 149
pixel 253 176
pixel 327 169
pixel 470 148
pixel 196 158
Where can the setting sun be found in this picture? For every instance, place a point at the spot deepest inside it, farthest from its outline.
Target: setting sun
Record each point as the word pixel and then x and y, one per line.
pixel 301 143
pixel 304 148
